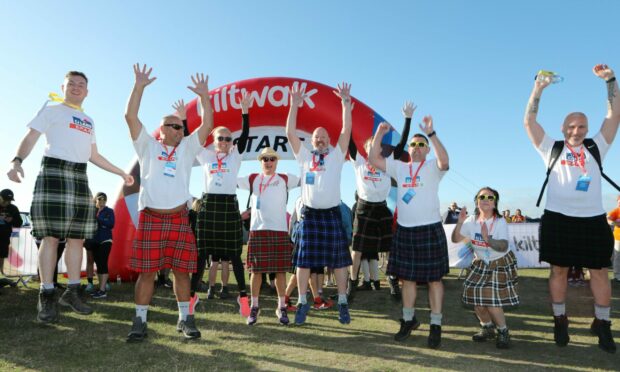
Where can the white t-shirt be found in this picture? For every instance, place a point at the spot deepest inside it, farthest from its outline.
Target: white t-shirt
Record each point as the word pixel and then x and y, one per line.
pixel 70 133
pixel 562 194
pixel 165 170
pixel 498 230
pixel 271 213
pixel 220 176
pixel 423 208
pixel 320 183
pixel 373 185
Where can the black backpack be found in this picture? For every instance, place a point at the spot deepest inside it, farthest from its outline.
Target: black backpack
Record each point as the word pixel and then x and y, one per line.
pixel 555 155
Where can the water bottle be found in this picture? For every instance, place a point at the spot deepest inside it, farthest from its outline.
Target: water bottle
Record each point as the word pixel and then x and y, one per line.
pixel 549 76
pixel 118 280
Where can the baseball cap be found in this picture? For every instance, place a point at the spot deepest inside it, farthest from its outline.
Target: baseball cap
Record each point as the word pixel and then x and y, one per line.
pixel 101 195
pixel 7 194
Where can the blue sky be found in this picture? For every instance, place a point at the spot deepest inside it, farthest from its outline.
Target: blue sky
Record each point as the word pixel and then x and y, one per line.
pixel 469 64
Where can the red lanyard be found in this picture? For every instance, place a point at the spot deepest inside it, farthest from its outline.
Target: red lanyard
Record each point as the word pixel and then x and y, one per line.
pixel 260 186
pixel 315 164
pixel 490 228
pixel 220 161
pixel 168 156
pixel 414 177
pixel 581 159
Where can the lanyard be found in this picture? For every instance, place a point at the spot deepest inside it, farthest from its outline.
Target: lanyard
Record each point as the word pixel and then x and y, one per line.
pixel 581 159
pixel 168 156
pixel 414 177
pixel 220 161
pixel 315 164
pixel 260 186
pixel 56 98
pixel 490 228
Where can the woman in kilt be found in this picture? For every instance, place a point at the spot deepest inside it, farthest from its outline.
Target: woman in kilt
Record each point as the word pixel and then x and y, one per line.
pixel 218 227
pixel 269 245
pixel 492 281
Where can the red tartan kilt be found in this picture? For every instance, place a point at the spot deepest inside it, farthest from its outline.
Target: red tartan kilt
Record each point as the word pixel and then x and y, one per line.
pixel 164 241
pixel 269 252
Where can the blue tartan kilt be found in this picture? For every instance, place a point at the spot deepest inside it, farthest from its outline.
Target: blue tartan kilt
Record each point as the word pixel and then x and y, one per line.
pixel 322 240
pixel 419 254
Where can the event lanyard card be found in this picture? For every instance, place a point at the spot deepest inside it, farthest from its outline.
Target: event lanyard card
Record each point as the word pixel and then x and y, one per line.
pixel 583 183
pixel 170 169
pixel 310 178
pixel 408 196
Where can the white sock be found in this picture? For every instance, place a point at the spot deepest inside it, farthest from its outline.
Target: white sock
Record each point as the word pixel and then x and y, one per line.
pixel 141 311
pixel 342 299
pixel 374 270
pixel 602 312
pixel 74 282
pixel 558 308
pixel 47 286
pixel 183 310
pixel 408 313
pixel 365 270
pixel 254 302
pixel 303 299
pixel 436 318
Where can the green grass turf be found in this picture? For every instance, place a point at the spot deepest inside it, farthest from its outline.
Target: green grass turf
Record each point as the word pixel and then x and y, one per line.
pixel 97 342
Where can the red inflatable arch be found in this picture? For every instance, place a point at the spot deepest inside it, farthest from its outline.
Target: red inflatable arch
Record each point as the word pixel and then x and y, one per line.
pixel 267 122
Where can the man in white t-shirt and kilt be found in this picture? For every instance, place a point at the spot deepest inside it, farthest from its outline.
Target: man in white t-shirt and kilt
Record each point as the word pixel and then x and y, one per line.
pixel 573 228
pixel 62 201
pixel 419 247
pixel 322 240
pixel 164 239
pixel 269 244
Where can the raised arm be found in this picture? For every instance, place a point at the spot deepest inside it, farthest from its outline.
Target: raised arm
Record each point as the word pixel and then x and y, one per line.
pixel 133 105
pixel 103 163
pixel 297 98
pixel 610 124
pixel 352 148
pixel 375 158
pixel 24 149
pixel 245 103
pixel 443 162
pixel 344 92
pixel 456 233
pixel 201 88
pixel 408 110
pixel 533 128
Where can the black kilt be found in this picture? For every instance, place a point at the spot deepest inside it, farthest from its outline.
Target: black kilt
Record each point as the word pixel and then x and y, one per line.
pixel 575 241
pixel 372 227
pixel 218 226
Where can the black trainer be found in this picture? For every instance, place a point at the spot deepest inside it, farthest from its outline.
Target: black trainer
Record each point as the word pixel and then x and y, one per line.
pixel 47 307
pixel 503 339
pixel 224 294
pixel 394 288
pixel 602 329
pixel 351 289
pixel 434 336
pixel 138 330
pixel 405 329
pixel 560 330
pixel 376 285
pixel 485 333
pixel 188 327
pixel 211 293
pixel 366 286
pixel 71 298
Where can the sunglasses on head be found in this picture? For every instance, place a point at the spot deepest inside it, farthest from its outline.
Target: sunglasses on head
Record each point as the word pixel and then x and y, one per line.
pixel 487 197
pixel 222 139
pixel 174 126
pixel 418 144
pixel 266 159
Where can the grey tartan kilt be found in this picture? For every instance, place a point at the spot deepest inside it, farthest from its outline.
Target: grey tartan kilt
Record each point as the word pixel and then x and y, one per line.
pixel 218 225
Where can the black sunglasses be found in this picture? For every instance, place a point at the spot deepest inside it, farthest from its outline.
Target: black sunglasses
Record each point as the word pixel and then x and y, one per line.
pixel 174 126
pixel 486 197
pixel 222 138
pixel 266 159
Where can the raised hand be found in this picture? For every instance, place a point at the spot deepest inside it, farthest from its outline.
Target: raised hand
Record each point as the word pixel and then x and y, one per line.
pixel 179 106
pixel 541 82
pixel 603 71
pixel 383 128
pixel 297 96
pixel 462 215
pixel 427 128
pixel 409 109
pixel 201 84
pixel 143 76
pixel 245 101
pixel 343 91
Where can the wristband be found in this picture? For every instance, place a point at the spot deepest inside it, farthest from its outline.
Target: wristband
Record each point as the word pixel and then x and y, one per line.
pixel 611 80
pixel 17 158
pixel 431 134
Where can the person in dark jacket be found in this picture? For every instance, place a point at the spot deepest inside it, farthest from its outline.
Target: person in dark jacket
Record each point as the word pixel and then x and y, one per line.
pixel 9 218
pixel 102 242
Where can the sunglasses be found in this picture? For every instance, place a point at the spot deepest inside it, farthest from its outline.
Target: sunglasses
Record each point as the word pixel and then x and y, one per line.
pixel 266 159
pixel 174 126
pixel 222 139
pixel 418 144
pixel 487 197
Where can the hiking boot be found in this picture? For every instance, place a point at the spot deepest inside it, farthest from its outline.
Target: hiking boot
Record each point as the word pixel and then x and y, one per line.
pixel 503 339
pixel 302 313
pixel 99 294
pixel 211 293
pixel 405 329
pixel 282 315
pixel 560 330
pixel 47 307
pixel 366 286
pixel 434 336
pixel 72 299
pixel 224 293
pixel 320 304
pixel 188 327
pixel 376 285
pixel 343 314
pixel 253 318
pixel 602 329
pixel 351 289
pixel 394 288
pixel 138 330
pixel 486 332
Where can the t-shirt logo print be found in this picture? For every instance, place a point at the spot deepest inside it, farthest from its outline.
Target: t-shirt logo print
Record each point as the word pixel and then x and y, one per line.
pixel 215 169
pixel 409 184
pixel 83 125
pixel 570 160
pixel 478 240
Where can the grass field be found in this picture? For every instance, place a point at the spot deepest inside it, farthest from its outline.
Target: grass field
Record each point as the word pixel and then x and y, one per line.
pixel 97 342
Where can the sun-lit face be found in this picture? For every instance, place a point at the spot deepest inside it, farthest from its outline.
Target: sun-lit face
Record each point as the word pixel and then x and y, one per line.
pixel 100 202
pixel 171 131
pixel 483 202
pixel 575 128
pixel 320 139
pixel 222 140
pixel 418 152
pixel 75 89
pixel 269 164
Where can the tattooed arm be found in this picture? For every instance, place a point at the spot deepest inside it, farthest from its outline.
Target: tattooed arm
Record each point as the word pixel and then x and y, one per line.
pixel 533 128
pixel 610 124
